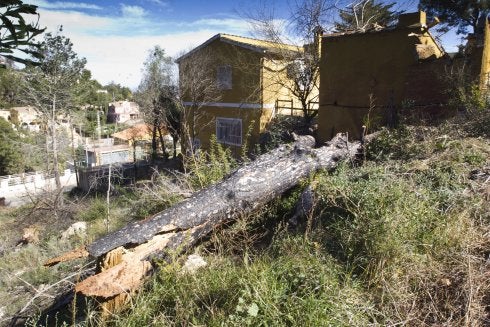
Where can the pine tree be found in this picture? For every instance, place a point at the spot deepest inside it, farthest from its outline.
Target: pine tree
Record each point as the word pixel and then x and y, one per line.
pixel 363 14
pixel 460 13
pixel 50 87
pixel 18 35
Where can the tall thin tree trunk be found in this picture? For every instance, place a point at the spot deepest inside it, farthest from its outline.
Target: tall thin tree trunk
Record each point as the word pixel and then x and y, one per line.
pixel 162 142
pixel 55 146
pixel 175 140
pixel 47 148
pixel 73 153
pixel 154 140
pixel 108 199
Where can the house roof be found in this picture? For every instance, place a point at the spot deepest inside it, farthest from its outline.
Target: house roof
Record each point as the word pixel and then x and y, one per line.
pixel 27 110
pixel 261 46
pixel 138 132
pixel 406 22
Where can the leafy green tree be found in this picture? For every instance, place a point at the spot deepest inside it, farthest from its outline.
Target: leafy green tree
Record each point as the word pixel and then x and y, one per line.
pixel 156 93
pixel 86 90
pixel 51 86
pixel 363 14
pixel 461 14
pixel 16 34
pixel 116 92
pixel 173 116
pixel 9 87
pixel 10 155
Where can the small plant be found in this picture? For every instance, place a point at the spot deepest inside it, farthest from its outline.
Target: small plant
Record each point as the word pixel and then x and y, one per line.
pixel 401 143
pixel 470 98
pixel 206 168
pixel 95 211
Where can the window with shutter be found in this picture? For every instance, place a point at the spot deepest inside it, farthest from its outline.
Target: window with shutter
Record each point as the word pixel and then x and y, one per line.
pixel 224 77
pixel 229 131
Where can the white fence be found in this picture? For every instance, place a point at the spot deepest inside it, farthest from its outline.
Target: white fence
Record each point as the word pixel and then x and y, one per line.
pixel 13 187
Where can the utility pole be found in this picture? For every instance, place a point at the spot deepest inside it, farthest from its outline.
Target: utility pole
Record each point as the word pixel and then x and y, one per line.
pixel 86 151
pixel 99 131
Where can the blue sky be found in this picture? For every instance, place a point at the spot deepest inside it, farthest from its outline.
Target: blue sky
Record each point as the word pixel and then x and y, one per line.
pixel 115 36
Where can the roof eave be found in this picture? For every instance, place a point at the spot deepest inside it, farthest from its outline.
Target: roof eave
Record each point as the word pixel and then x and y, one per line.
pixel 215 37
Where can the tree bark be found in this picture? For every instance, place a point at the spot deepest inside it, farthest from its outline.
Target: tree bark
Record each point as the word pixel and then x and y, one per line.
pixel 162 142
pixel 182 225
pixel 154 140
pixel 56 168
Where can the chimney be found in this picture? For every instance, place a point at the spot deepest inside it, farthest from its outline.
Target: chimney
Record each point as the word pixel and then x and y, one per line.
pixel 413 19
pixel 318 33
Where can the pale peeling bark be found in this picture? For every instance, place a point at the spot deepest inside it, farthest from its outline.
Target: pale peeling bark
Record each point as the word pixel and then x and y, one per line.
pixel 182 225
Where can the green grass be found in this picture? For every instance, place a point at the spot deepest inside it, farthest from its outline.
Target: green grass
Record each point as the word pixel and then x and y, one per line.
pixel 292 283
pixel 401 240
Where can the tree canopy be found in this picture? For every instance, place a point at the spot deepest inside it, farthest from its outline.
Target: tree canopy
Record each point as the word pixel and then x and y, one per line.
pixel 54 81
pixel 460 14
pixel 157 94
pixel 9 87
pixel 116 92
pixel 364 14
pixel 10 156
pixel 17 34
pixel 51 87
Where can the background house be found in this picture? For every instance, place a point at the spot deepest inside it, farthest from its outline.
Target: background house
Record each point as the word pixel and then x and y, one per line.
pixel 104 155
pixel 370 77
pixel 5 114
pixel 136 133
pixel 123 112
pixel 231 86
pixel 26 117
pixel 138 138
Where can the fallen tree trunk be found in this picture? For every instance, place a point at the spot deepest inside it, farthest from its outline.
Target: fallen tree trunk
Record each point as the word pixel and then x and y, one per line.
pixel 127 253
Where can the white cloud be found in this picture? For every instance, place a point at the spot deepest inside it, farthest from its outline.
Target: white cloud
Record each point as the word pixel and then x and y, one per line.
pixel 73 21
pixel 117 54
pixel 132 11
pixel 64 5
pixel 159 2
pixel 121 58
pixel 226 23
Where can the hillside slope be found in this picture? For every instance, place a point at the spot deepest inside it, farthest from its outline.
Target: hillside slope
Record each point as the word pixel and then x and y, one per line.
pixel 400 240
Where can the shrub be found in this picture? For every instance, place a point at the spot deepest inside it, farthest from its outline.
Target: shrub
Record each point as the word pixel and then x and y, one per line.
pixel 95 211
pixel 404 235
pixel 209 167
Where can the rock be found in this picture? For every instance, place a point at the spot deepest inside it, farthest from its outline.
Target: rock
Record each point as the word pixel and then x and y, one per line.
pixel 193 263
pixel 30 235
pixel 79 228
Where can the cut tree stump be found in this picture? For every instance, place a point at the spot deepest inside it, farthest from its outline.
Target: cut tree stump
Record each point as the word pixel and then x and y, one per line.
pixel 177 228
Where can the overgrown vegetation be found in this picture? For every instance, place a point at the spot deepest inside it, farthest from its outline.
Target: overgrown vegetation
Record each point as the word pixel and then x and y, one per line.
pixel 205 168
pixel 401 240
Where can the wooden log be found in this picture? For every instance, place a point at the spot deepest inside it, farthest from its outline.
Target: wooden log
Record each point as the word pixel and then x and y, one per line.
pixel 182 225
pixel 247 188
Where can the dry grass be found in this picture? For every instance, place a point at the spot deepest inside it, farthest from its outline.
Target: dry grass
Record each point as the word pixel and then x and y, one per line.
pixel 401 241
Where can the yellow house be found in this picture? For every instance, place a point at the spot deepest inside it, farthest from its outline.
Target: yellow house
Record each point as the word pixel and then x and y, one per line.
pixel 369 78
pixel 231 87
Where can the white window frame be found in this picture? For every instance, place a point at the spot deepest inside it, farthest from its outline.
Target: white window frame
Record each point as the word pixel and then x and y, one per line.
pixel 231 139
pixel 224 77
